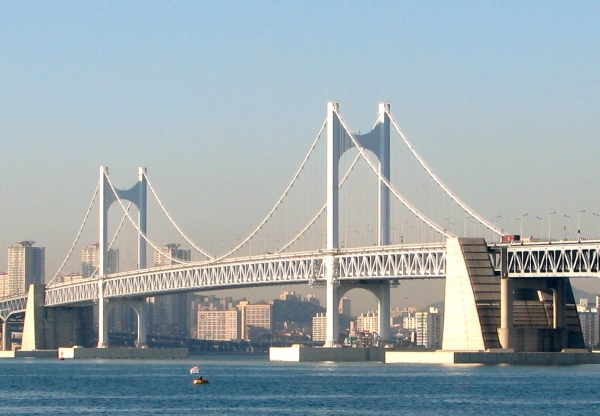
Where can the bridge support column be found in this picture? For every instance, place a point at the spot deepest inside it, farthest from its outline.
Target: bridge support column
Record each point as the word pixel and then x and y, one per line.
pixel 383 295
pixel 102 317
pixel 6 336
pixel 506 311
pixel 384 170
pixel 559 304
pixel 333 301
pixel 140 308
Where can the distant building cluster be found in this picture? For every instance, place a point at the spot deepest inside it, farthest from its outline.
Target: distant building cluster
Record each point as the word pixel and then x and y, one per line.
pixel 590 321
pixel 408 327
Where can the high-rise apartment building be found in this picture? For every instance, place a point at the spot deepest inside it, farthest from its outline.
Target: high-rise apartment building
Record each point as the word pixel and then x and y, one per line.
pixel 345 306
pixel 254 317
pixel 319 327
pixel 218 325
pixel 590 323
pixel 426 328
pixel 168 313
pixel 3 284
pixel 26 266
pixel 367 322
pixel 90 259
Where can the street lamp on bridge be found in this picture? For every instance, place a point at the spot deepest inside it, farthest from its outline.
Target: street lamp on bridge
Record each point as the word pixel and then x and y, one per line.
pixel 521 219
pixel 596 215
pixel 549 228
pixel 569 218
pixel 541 225
pixel 578 225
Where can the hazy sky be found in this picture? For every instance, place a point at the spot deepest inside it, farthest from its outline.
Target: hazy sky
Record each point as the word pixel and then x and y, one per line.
pixel 221 100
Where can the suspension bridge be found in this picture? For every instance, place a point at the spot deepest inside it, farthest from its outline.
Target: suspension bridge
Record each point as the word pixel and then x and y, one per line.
pixel 349 218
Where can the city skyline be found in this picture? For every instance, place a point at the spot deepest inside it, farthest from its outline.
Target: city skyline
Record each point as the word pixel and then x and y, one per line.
pixel 504 109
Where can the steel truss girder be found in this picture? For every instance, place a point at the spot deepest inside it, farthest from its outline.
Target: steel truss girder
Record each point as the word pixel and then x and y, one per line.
pixel 10 305
pixel 68 293
pixel 568 260
pixel 419 263
pixel 389 262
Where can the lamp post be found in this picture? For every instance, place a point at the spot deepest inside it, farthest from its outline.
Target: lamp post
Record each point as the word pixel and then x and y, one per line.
pixel 596 215
pixel 495 221
pixel 566 216
pixel 579 225
pixel 521 219
pixel 549 228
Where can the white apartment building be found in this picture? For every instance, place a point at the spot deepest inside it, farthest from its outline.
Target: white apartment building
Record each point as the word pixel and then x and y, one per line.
pixel 218 325
pixel 367 322
pixel 426 328
pixel 258 315
pixel 319 327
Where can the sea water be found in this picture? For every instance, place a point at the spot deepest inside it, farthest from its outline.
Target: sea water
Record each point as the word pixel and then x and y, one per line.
pixel 255 386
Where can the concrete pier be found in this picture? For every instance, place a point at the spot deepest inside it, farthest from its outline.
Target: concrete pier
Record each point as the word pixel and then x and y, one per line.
pixel 300 353
pixel 29 354
pixel 493 358
pixel 123 353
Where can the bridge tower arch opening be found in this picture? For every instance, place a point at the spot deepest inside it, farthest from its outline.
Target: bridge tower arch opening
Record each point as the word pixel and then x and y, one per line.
pixel 12 323
pixel 139 306
pixel 138 196
pixel 379 289
pixel 338 142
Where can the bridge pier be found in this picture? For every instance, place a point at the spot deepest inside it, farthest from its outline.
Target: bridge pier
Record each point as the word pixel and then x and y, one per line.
pixel 539 315
pixel 103 310
pixel 335 291
pixel 333 301
pixel 141 308
pixel 6 336
pixel 105 306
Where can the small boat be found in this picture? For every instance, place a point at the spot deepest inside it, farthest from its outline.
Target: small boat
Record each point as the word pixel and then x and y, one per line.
pixel 196 370
pixel 200 381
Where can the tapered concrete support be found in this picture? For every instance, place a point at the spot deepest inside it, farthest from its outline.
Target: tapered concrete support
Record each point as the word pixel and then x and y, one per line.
pixel 462 326
pixel 333 301
pixel 506 311
pixel 383 295
pixel 33 327
pixel 6 336
pixel 102 317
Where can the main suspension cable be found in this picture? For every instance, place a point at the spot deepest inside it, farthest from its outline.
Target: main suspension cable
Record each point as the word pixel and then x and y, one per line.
pixel 322 209
pixel 87 214
pixel 387 183
pixel 199 249
pixel 439 181
pixel 233 250
pixel 154 246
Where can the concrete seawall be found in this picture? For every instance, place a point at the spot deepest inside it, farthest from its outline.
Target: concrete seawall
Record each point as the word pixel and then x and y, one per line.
pixel 492 358
pixel 123 353
pixel 298 353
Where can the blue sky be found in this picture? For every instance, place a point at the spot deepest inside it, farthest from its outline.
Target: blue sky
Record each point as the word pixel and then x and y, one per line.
pixel 221 100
